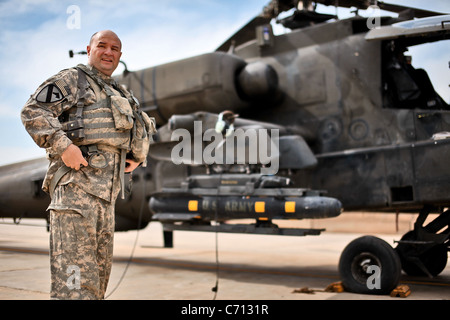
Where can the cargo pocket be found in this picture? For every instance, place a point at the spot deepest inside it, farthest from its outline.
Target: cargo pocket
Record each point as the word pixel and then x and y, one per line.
pixel 72 255
pixel 65 240
pixel 148 124
pixel 122 113
pixel 145 127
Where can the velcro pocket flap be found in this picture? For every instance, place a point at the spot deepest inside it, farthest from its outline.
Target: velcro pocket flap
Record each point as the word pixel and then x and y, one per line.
pixel 122 113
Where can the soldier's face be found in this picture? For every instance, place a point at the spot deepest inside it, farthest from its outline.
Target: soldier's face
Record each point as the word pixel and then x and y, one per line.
pixel 104 52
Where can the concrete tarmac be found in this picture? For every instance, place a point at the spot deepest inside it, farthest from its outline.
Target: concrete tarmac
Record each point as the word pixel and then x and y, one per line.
pixel 250 267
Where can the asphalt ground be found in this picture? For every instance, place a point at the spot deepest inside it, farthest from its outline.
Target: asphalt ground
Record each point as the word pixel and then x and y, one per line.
pixel 242 266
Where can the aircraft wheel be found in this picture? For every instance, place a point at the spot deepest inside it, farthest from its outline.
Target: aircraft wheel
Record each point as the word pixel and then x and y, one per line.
pixel 433 259
pixel 369 265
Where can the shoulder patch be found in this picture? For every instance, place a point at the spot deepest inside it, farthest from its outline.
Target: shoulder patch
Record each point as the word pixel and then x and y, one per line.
pixel 50 93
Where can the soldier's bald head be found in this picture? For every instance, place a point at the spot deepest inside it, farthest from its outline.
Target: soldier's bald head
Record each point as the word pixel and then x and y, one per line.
pixel 105 32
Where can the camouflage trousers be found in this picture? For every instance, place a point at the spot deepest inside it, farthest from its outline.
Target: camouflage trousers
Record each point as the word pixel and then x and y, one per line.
pixel 81 244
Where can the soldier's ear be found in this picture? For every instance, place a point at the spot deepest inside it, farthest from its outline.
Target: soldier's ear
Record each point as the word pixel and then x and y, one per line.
pixel 88 49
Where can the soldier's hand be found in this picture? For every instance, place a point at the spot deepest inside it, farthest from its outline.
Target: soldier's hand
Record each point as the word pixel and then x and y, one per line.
pixel 131 165
pixel 73 158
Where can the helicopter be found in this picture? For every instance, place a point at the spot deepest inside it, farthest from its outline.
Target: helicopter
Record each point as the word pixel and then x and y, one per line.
pixel 331 117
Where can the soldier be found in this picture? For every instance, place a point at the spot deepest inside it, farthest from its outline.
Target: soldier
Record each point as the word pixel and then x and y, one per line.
pixel 93 132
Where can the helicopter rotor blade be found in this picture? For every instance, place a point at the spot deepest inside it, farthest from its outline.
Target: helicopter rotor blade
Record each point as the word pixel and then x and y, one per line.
pixel 272 10
pixel 418 13
pixel 364 4
pixel 245 34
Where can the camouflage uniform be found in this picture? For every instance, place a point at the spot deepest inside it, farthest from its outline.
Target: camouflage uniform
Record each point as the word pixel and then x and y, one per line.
pixel 82 202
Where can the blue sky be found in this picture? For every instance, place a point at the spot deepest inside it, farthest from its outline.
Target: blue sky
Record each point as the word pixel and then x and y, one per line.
pixel 36 35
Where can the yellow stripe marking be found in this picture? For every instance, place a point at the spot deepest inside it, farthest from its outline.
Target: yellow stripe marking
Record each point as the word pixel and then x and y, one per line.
pixel 289 206
pixel 193 205
pixel 260 206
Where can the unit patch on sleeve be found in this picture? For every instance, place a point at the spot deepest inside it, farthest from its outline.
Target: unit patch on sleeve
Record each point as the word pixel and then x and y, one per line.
pixel 50 93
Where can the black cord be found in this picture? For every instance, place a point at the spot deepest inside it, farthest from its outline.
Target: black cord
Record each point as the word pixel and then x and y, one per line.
pixel 215 289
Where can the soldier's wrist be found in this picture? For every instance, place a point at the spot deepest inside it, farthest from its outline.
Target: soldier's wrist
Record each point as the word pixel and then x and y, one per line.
pixel 61 145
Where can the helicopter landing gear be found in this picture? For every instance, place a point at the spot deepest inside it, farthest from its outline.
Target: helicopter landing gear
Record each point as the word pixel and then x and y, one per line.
pixel 369 265
pixel 423 251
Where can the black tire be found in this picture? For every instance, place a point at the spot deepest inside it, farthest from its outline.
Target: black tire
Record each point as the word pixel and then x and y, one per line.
pixel 362 253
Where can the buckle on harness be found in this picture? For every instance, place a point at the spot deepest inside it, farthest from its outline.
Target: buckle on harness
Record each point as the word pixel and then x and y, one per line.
pixel 74 128
pixel 95 158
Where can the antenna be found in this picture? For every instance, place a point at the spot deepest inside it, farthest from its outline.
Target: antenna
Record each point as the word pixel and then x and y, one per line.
pixel 71 53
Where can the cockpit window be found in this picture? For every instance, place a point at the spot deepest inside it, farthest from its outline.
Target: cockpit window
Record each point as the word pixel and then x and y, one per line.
pixel 407 85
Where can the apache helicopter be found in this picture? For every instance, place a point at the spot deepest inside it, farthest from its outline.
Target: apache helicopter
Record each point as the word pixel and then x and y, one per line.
pixel 331 116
